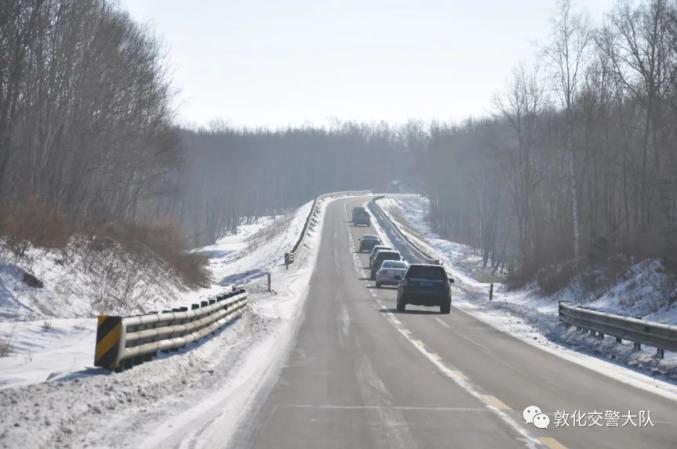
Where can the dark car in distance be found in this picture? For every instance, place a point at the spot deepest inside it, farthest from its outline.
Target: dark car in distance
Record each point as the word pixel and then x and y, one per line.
pixel 382 256
pixel 360 217
pixel 368 242
pixel 425 285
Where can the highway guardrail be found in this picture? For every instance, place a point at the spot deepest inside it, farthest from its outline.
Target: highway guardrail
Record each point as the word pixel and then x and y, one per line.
pixel 122 342
pixel 659 335
pixel 290 257
pixel 312 219
pixel 423 255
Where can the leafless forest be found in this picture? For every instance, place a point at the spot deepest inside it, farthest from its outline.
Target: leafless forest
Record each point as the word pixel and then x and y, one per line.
pixel 85 128
pixel 577 166
pixel 232 174
pixel 579 163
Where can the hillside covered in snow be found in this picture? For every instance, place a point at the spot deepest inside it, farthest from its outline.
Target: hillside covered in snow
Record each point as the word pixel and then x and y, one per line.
pixel 48 331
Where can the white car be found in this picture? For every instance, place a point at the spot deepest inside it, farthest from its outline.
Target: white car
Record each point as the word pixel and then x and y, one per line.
pixel 391 272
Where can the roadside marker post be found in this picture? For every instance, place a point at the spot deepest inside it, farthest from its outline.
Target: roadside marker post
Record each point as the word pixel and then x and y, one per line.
pixel 108 337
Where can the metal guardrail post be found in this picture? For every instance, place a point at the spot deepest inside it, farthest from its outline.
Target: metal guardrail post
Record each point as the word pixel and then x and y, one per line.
pixel 108 339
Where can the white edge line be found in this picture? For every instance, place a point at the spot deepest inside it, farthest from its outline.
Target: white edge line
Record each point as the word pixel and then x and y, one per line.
pixel 453 374
pixel 441 321
pixel 603 367
pixel 461 380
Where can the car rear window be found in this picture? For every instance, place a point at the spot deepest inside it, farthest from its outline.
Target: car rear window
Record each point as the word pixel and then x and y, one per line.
pixel 393 264
pixel 432 273
pixel 388 255
pixel 369 237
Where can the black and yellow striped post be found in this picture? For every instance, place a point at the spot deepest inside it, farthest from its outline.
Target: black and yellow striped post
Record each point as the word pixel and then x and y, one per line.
pixel 108 334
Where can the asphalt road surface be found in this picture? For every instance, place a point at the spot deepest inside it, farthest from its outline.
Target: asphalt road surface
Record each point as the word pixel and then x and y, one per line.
pixel 361 375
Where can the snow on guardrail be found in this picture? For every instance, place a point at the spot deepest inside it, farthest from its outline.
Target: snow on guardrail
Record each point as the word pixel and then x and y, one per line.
pixel 661 336
pixel 122 342
pixel 313 219
pixel 423 255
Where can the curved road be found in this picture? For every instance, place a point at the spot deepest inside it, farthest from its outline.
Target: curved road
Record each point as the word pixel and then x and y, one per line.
pixel 361 375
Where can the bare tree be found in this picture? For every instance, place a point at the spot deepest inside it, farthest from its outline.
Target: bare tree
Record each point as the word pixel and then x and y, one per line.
pixel 521 107
pixel 637 41
pixel 568 54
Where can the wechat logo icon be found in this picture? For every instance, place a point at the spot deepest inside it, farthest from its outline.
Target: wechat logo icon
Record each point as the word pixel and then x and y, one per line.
pixel 533 415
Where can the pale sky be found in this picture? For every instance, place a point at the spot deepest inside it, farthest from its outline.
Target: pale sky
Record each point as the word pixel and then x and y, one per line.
pixel 292 62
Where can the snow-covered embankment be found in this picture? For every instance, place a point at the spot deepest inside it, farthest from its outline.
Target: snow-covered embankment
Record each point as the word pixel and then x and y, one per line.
pixel 644 291
pixel 81 406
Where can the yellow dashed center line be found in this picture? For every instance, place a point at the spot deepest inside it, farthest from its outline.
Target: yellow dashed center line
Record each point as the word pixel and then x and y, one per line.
pixel 495 402
pixel 552 443
pixel 491 402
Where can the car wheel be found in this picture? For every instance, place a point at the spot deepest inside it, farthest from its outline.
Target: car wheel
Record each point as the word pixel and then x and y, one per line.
pixel 446 307
pixel 401 307
pixel 378 285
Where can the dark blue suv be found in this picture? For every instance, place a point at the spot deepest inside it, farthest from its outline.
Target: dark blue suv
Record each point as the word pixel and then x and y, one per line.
pixel 425 285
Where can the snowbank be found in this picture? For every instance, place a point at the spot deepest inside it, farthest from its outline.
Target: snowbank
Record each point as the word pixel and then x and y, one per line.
pixel 169 400
pixel 46 329
pixel 80 281
pixel 256 249
pixel 46 350
pixel 211 421
pixel 410 213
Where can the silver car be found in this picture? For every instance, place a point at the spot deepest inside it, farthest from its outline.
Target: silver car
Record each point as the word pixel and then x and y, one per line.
pixel 391 272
